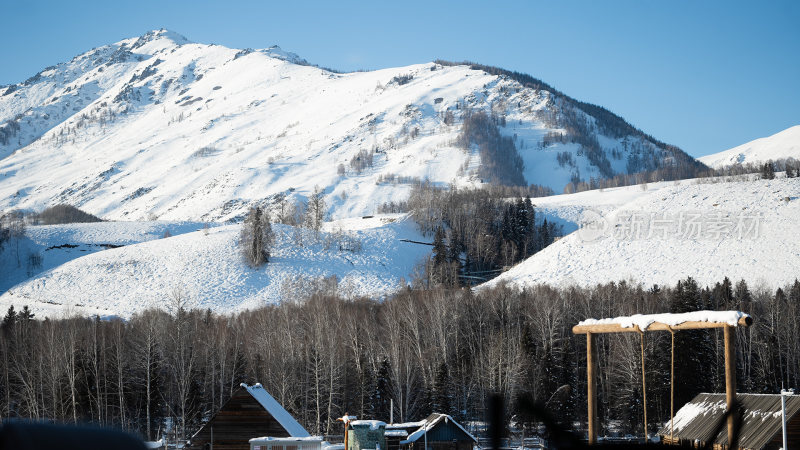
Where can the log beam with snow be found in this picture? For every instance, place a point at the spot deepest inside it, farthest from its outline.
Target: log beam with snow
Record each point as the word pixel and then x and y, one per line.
pixel 664 322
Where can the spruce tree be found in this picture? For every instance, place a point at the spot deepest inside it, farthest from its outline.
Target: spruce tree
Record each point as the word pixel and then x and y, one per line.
pixel 768 170
pixel 256 237
pixel 442 391
pixel 383 392
pixel 438 257
pixel 10 318
pixel 26 314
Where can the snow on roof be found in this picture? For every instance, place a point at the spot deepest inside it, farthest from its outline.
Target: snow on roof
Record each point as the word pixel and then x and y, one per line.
pixel 373 424
pixel 643 321
pixel 405 425
pixel 431 422
pixel 698 419
pixel 396 433
pixel 154 444
pixel 276 410
pixel 287 439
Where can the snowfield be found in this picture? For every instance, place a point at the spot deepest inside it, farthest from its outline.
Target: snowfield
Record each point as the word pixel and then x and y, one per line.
pixel 785 144
pixel 742 230
pixel 58 244
pixel 206 269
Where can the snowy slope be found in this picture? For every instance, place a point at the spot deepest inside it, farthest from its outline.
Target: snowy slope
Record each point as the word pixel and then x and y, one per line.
pixel 57 244
pixel 785 144
pixel 206 267
pixel 157 126
pixel 674 230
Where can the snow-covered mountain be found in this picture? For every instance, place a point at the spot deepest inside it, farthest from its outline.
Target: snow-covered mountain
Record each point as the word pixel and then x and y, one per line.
pixel 663 232
pixel 782 145
pixel 160 127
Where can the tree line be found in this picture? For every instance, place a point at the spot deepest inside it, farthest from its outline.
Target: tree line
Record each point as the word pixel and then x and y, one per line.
pixel 426 350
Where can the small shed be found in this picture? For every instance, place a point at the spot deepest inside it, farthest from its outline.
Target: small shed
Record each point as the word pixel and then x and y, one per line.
pixel 761 428
pixel 365 435
pixel 439 432
pixel 250 412
pixel 398 432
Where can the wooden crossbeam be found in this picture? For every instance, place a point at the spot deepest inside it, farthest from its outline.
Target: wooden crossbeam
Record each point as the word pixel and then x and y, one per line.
pixel 745 321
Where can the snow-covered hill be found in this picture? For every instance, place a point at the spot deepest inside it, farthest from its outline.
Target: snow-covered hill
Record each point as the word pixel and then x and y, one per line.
pixel 667 231
pixel 783 145
pixel 48 246
pixel 205 268
pixel 159 127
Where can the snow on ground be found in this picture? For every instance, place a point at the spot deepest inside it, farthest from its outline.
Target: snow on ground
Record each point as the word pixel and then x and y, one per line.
pixel 785 144
pixel 206 268
pixel 706 230
pixel 58 244
pixel 568 209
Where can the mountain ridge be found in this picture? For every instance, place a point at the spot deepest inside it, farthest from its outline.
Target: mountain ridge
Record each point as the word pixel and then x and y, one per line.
pixel 114 126
pixel 781 145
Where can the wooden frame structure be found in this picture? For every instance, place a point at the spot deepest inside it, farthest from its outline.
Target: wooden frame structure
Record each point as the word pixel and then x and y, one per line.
pixel 603 326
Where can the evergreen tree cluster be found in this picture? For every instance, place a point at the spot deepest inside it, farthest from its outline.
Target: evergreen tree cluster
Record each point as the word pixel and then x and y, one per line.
pixel 500 161
pixel 477 233
pixel 768 170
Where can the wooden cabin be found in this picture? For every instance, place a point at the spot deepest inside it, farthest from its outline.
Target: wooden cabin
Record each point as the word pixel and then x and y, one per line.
pixel 438 431
pixel 761 429
pixel 250 412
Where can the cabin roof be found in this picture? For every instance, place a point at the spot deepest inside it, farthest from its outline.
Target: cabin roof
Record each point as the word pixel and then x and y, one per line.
pixel 430 422
pixel 761 421
pixel 277 411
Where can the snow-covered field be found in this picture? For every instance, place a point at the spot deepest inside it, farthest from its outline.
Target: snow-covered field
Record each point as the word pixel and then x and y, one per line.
pixel 782 145
pixel 205 268
pixel 58 244
pixel 742 230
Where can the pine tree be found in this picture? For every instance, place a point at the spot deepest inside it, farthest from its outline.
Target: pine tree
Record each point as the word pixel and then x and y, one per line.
pixel 454 257
pixel 26 314
pixel 442 391
pixel 768 170
pixel 439 256
pixel 256 237
pixel 383 392
pixel 10 318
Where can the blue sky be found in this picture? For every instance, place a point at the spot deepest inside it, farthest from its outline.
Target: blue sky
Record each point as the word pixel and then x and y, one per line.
pixel 703 75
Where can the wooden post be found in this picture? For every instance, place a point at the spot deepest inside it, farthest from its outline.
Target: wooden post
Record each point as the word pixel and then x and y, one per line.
pixel 644 387
pixel 591 383
pixel 730 376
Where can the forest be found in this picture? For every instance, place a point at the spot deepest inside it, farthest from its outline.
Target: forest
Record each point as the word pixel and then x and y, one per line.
pixel 426 350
